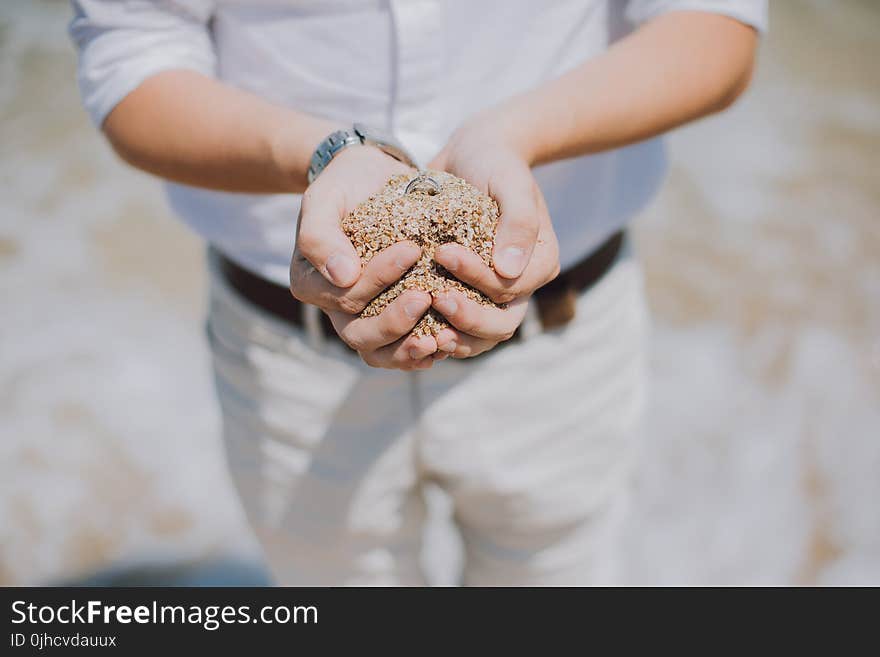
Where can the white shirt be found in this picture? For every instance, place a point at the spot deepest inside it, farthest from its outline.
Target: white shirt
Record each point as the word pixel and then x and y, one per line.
pixel 416 68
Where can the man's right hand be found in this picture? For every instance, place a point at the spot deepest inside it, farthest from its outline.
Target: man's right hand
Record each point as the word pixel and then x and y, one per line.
pixel 325 269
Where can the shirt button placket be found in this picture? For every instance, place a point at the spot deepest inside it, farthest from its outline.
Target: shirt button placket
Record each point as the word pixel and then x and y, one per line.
pixel 419 62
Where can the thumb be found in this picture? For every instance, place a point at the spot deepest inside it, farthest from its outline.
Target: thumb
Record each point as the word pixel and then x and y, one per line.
pixel 322 242
pixel 517 225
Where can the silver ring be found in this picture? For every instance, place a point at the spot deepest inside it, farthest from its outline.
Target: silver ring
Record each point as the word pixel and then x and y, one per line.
pixel 423 183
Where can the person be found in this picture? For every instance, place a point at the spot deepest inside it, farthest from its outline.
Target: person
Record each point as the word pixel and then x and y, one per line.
pixel 527 416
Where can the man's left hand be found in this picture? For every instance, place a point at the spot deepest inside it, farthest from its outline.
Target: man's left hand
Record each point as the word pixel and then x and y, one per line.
pixel 526 253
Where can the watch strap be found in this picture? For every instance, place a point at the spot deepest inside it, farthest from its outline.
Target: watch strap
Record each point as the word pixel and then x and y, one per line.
pixel 334 143
pixel 360 134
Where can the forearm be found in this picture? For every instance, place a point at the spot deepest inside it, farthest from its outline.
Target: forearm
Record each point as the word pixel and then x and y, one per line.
pixel 676 68
pixel 189 128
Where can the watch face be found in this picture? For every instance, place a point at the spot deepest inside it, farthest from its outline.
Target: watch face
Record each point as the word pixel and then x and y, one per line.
pixel 372 134
pixel 386 142
pixel 359 134
pixel 361 130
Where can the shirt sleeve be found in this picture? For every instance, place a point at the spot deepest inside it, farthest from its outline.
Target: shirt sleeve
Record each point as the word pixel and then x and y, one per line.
pixel 123 42
pixel 750 12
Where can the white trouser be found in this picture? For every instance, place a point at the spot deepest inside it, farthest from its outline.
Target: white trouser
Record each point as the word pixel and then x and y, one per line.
pixel 533 443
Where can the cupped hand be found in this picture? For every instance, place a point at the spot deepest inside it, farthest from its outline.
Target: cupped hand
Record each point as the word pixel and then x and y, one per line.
pixel 526 253
pixel 325 269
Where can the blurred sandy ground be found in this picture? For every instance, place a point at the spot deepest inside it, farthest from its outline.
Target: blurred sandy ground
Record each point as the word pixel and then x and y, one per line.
pixel 762 446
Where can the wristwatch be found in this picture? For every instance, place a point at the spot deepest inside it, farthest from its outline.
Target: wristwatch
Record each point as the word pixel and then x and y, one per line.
pixel 358 135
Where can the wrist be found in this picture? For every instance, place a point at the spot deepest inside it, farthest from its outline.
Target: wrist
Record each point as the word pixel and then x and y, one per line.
pixel 358 134
pixel 367 157
pixel 505 127
pixel 291 146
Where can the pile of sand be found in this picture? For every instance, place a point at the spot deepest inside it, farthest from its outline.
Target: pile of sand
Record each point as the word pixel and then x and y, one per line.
pixel 457 212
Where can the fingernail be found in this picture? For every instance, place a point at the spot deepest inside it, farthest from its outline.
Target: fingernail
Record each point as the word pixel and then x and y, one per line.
pixel 446 304
pixel 342 270
pixel 450 261
pixel 449 347
pixel 414 309
pixel 511 261
pixel 404 263
pixel 415 354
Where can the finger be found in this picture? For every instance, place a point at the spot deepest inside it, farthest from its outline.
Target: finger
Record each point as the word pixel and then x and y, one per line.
pixel 480 321
pixel 383 270
pixel 517 225
pixel 393 323
pixel 322 242
pixel 460 345
pixel 409 353
pixel 447 340
pixel 469 268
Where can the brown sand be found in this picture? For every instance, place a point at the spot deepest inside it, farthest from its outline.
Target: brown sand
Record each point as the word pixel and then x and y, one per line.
pixel 459 212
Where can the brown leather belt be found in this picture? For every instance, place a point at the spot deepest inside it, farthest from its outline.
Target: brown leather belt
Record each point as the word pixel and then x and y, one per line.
pixel 555 301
